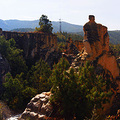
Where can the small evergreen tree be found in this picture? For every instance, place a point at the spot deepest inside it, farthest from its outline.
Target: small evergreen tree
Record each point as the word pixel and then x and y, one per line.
pixel 13 55
pixel 38 76
pixel 16 94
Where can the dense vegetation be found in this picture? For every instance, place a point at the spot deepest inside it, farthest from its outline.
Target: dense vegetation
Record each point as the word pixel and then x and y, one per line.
pixel 76 94
pixel 22 84
pixel 63 36
pixel 116 49
pixel 19 90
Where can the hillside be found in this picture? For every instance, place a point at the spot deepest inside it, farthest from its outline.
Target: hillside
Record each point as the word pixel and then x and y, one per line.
pixel 23 30
pixel 114 37
pixel 67 27
pixel 15 24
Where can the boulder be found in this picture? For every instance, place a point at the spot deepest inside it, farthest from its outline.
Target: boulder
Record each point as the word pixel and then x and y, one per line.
pixel 38 108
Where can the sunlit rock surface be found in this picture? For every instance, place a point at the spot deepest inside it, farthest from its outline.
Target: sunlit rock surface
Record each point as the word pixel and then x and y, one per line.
pixel 38 108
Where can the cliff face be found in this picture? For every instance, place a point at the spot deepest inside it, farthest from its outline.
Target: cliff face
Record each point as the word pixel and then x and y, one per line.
pixel 99 50
pixel 32 43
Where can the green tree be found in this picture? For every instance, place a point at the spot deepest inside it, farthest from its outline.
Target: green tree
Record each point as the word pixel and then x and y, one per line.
pixel 12 94
pixel 62 37
pixel 4 46
pixel 38 76
pixel 13 55
pixel 76 94
pixel 45 24
pixel 16 93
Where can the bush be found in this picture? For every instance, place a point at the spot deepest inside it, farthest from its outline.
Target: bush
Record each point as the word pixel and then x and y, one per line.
pixel 38 76
pixel 76 94
pixel 16 95
pixel 19 88
pixel 13 55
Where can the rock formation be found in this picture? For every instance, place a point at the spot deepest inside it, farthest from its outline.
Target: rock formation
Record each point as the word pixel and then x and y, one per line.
pixel 38 108
pixel 32 43
pixel 103 59
pixel 99 53
pixel 97 45
pixel 72 47
pixel 98 37
pixel 35 45
pixel 96 50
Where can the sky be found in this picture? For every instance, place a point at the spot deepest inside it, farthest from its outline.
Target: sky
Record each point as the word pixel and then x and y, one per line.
pixel 73 11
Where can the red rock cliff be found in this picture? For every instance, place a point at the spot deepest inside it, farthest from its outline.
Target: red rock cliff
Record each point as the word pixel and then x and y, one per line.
pixel 97 46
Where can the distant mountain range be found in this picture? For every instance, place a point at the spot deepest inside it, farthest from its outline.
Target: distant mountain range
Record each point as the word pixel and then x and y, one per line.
pixel 9 25
pixel 26 26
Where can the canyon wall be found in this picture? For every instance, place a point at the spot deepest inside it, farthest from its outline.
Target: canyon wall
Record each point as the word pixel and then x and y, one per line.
pixel 33 43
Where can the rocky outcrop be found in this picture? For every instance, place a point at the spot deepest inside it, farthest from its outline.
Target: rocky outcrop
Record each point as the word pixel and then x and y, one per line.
pixel 38 108
pixel 32 42
pixel 36 45
pixel 96 47
pixel 108 61
pixel 103 59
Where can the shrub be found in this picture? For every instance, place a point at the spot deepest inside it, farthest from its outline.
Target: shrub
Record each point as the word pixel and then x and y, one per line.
pixel 15 94
pixel 38 76
pixel 76 94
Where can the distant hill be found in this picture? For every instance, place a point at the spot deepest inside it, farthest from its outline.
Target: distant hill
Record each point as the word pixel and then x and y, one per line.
pixel 23 30
pixel 26 26
pixel 66 27
pixel 114 36
pixel 14 24
pixel 9 25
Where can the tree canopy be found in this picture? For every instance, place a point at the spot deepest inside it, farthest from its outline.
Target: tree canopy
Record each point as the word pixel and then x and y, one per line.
pixel 76 94
pixel 45 24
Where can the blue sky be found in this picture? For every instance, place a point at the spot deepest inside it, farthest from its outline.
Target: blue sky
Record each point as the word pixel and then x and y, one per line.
pixel 72 11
